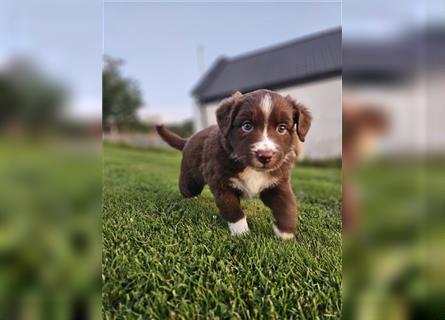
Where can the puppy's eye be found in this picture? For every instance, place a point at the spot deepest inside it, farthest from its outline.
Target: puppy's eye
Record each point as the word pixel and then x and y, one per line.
pixel 281 129
pixel 247 126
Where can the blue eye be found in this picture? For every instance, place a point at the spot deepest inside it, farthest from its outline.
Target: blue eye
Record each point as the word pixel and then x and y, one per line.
pixel 247 126
pixel 281 129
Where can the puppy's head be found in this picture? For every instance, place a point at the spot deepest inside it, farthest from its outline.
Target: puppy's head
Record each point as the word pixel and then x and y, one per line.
pixel 261 127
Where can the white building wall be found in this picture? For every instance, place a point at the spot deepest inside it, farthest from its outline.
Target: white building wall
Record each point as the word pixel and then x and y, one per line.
pixel 209 113
pixel 199 116
pixel 323 99
pixel 414 110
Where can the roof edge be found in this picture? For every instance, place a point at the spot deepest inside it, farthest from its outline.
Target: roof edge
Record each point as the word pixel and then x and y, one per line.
pixel 276 86
pixel 285 44
pixel 207 78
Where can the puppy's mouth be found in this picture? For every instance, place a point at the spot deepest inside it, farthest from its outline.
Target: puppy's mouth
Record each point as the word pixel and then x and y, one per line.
pixel 263 168
pixel 251 160
pixel 278 160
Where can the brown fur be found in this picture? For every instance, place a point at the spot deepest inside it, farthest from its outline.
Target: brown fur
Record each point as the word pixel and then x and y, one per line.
pixel 171 138
pixel 360 121
pixel 220 154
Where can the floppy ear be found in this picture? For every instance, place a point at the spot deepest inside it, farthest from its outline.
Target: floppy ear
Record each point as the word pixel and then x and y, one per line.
pixel 227 110
pixel 302 118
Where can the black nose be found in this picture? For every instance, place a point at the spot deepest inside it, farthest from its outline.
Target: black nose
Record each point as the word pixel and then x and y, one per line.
pixel 264 156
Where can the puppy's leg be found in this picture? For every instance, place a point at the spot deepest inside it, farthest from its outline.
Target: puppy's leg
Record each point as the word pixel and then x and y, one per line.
pixel 191 181
pixel 189 185
pixel 228 203
pixel 281 200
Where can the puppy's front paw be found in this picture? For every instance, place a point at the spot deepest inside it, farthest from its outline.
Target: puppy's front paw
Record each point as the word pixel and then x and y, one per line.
pixel 239 228
pixel 281 234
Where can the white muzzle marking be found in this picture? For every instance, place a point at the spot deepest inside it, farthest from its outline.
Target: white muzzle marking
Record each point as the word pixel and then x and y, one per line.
pixel 265 143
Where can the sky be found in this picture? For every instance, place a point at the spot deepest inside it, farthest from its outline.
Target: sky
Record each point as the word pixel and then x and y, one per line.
pixel 385 19
pixel 159 41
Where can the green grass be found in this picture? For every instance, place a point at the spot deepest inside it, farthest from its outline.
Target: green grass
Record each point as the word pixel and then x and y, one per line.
pixel 169 257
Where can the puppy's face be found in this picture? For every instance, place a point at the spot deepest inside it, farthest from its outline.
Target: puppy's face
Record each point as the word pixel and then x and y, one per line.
pixel 261 127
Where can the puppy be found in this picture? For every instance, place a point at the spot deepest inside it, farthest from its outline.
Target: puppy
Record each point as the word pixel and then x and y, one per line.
pixel 250 152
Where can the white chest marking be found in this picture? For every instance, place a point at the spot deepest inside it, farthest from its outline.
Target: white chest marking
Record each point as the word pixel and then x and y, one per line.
pixel 251 182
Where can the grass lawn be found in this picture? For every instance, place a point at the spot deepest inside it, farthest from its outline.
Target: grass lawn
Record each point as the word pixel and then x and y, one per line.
pixel 168 257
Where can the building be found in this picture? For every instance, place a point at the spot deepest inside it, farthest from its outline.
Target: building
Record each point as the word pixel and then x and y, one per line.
pixel 308 68
pixel 402 75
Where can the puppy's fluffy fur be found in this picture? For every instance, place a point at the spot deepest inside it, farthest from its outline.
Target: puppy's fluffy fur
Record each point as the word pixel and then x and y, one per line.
pixel 250 152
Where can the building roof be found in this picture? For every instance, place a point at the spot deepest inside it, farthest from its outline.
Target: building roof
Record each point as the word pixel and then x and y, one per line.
pixel 394 60
pixel 302 60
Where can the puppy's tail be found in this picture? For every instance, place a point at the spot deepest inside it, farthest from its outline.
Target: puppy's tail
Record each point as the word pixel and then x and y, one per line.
pixel 171 138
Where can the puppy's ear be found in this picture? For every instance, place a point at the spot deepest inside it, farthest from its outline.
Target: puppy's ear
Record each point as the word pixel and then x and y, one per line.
pixel 227 110
pixel 302 118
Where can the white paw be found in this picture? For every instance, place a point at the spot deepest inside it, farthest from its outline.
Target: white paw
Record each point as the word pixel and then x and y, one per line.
pixel 238 228
pixel 282 235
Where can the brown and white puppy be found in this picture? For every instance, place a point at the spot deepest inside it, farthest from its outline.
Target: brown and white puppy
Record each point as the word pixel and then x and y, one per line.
pixel 250 152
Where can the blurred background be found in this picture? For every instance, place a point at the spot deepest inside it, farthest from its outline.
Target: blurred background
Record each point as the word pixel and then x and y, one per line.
pixel 50 163
pixel 393 159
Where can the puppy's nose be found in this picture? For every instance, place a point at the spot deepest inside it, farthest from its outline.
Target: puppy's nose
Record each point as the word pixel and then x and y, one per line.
pixel 264 156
